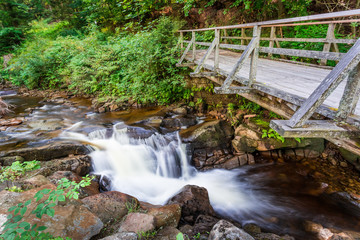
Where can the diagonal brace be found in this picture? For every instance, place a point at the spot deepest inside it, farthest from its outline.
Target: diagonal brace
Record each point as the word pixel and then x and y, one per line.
pixel 327 86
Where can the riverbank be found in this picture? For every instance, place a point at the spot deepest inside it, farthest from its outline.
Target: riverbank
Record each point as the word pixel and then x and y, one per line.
pixel 289 164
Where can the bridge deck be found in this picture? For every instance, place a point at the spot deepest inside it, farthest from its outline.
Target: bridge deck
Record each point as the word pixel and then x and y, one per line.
pixel 292 78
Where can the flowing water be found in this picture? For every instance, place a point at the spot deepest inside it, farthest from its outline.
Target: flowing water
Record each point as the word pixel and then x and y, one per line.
pixel 152 164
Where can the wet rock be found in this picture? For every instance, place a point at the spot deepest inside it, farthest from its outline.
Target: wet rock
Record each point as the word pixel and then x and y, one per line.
pixel 35 182
pixel 321 232
pixel 168 215
pixel 90 190
pixel 212 134
pixel 71 219
pixel 194 201
pixel 46 124
pixel 249 139
pixel 48 152
pixel 346 201
pixel 122 236
pixel 180 111
pixel 204 224
pixel 252 228
pixel 271 236
pixel 138 222
pixel 105 183
pixel 178 122
pixel 8 161
pixel 11 122
pixel 341 236
pixel 226 230
pixel 79 164
pixel 110 206
pixel 167 233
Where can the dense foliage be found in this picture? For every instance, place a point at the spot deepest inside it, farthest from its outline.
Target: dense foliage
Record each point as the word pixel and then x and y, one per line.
pixel 139 66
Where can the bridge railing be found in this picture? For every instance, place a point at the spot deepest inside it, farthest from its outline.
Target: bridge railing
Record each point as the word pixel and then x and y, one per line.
pixel 347 62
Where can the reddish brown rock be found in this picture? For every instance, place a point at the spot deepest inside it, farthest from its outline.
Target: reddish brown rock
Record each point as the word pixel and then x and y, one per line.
pixel 194 201
pixel 168 215
pixel 110 206
pixel 71 219
pixel 138 222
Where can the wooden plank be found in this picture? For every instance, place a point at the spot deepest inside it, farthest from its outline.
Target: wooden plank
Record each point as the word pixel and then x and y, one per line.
pixel 313 129
pixel 351 95
pixel 232 90
pixel 203 74
pixel 181 40
pixel 338 74
pixel 254 56
pixel 239 63
pixel 286 51
pixel 349 13
pixel 317 40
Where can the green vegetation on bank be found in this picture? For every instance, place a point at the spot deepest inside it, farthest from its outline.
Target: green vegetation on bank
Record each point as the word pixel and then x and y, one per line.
pixel 129 66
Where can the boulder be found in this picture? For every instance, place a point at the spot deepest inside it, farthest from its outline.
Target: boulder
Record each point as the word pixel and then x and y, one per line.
pixel 48 152
pixel 46 124
pixel 320 232
pixel 226 230
pixel 167 233
pixel 211 134
pixel 180 110
pixel 79 164
pixel 249 139
pixel 90 190
pixel 204 224
pixel 122 236
pixel 137 223
pixel 110 206
pixel 8 161
pixel 71 219
pixel 194 201
pixel 178 122
pixel 168 215
pixel 34 182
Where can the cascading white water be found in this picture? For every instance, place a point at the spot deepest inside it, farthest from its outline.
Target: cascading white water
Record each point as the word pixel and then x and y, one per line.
pixel 155 168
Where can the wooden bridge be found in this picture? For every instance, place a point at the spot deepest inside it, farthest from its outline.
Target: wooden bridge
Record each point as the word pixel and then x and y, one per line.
pixel 328 96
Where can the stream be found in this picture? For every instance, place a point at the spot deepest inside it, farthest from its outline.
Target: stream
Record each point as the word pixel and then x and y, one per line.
pixel 151 163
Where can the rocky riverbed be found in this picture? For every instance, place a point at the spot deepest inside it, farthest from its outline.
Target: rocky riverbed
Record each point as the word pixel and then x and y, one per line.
pixel 296 190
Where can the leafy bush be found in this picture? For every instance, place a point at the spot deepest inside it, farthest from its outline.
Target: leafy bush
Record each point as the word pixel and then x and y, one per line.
pixel 17 169
pixel 15 228
pixel 138 67
pixel 9 38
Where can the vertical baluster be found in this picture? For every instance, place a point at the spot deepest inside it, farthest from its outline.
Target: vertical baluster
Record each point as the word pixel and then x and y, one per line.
pixel 254 55
pixel 181 40
pixel 225 35
pixel 243 35
pixel 193 46
pixel 329 36
pixel 272 39
pixel 217 50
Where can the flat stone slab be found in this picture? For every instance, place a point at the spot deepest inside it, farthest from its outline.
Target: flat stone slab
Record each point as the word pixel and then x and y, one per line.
pixel 314 129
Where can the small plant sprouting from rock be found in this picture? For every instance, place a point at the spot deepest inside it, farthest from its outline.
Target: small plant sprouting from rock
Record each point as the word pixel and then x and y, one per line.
pixel 147 234
pixel 16 170
pixel 15 228
pixel 271 133
pixel 132 206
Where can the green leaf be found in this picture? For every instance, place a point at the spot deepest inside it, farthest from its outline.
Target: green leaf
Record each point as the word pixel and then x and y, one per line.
pixel 41 228
pixel 20 230
pixel 11 209
pixel 46 191
pixel 24 225
pixel 61 198
pixel 50 212
pixel 27 203
pixel 17 210
pixel 17 218
pixel 23 211
pixel 34 226
pixel 9 216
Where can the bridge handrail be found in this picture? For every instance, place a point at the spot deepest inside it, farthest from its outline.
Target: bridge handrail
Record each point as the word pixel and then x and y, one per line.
pixel 278 22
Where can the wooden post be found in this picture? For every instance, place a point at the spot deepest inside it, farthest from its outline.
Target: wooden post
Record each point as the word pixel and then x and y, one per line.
pixel 243 35
pixel 351 95
pixel 181 40
pixel 217 50
pixel 254 55
pixel 329 36
pixel 225 35
pixel 193 46
pixel 272 39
